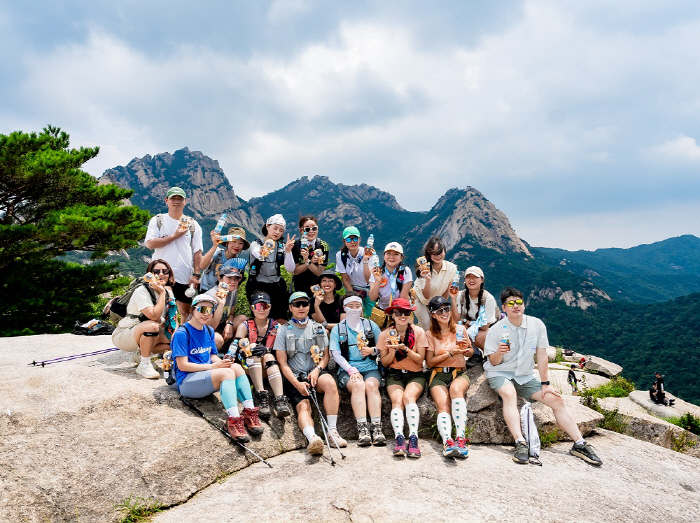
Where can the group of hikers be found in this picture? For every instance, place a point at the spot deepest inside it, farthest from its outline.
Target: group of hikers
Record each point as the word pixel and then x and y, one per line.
pixel 376 323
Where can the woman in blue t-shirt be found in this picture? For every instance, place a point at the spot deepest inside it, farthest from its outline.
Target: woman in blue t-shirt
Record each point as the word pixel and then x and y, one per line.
pixel 200 371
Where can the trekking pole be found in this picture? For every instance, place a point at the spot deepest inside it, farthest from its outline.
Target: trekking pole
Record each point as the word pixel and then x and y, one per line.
pixel 61 359
pixel 223 431
pixel 325 426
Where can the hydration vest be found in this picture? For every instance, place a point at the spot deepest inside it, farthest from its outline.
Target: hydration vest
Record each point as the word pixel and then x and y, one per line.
pixel 255 264
pixel 270 335
pixel 318 336
pixel 343 337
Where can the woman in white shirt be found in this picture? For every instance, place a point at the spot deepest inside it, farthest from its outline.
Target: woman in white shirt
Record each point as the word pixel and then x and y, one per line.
pixel 475 306
pixel 434 280
pixel 391 281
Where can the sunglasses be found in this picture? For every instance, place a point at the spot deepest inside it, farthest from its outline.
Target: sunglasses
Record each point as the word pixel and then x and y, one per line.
pixel 442 310
pixel 310 229
pixel 300 304
pixel 401 312
pixel 351 239
pixel 261 306
pixel 510 303
pixel 438 253
pixel 204 309
pixel 161 271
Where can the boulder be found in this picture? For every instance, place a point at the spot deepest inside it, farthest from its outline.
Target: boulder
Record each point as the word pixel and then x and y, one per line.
pixel 602 366
pixel 552 354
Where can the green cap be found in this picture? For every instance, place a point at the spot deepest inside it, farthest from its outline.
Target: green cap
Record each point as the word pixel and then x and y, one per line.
pixel 350 231
pixel 298 295
pixel 176 191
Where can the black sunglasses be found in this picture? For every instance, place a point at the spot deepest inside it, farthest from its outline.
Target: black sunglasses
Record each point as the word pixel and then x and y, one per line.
pixel 401 312
pixel 300 304
pixel 161 271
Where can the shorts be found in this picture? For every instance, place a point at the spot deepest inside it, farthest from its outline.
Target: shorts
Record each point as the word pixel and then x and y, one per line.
pixel 179 293
pixel 197 385
pixel 526 390
pixel 403 378
pixel 446 378
pixel 123 339
pixel 293 394
pixel 344 377
pixel 279 297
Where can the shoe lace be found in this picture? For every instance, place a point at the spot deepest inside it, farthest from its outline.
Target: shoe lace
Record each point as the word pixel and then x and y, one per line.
pixel 413 441
pixel 450 442
pixel 253 416
pixel 461 442
pixel 239 424
pixel 400 439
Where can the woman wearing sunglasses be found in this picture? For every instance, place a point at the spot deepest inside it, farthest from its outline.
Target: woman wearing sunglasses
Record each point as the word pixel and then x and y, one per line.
pixel 309 266
pixel 225 321
pixel 221 253
pixel 433 281
pixel 151 319
pixel 448 345
pixel 260 330
pixel 354 265
pixel 200 371
pixel 403 353
pixel 391 281
pixel 475 306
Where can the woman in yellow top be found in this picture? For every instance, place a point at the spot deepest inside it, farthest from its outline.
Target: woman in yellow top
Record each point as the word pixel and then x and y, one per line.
pixel 448 346
pixel 433 280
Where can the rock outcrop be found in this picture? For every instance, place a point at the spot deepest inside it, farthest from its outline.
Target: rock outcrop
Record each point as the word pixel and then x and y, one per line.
pixel 602 366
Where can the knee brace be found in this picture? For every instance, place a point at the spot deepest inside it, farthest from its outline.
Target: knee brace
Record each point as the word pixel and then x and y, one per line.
pixel 149 333
pixel 269 364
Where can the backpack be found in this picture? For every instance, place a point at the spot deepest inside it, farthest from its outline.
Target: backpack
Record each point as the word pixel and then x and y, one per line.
pixel 343 337
pixel 532 437
pixel 93 328
pixel 279 259
pixel 208 279
pixel 116 308
pixel 270 335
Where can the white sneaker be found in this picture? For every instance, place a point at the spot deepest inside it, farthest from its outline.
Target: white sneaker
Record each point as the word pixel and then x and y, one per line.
pixel 147 371
pixel 333 435
pixel 315 446
pixel 136 356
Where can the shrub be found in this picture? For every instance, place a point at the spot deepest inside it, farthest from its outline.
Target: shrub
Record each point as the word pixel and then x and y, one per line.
pixel 682 442
pixel 687 421
pixel 135 509
pixel 617 387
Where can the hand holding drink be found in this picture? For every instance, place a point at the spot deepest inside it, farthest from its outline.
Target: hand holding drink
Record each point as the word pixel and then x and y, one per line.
pixel 454 287
pixel 184 224
pixel 222 290
pixel 266 249
pixel 317 291
pixel 423 267
pixel 393 337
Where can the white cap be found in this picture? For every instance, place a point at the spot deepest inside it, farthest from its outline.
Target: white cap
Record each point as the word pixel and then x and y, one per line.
pixel 276 219
pixel 476 271
pixel 394 246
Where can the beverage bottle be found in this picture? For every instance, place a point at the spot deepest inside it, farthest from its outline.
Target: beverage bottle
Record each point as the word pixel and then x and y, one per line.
pixel 184 223
pixel 231 354
pixel 317 291
pixel 149 277
pixel 267 247
pixel 319 254
pixel 226 238
pixel 393 337
pixel 422 264
pixel 220 223
pixel 222 290
pixel 505 337
pixel 304 241
pixel 454 288
pixel 167 365
pixel 316 354
pixel 370 241
pixel 460 333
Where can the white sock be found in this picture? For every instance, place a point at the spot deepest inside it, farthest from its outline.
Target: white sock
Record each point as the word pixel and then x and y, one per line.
pixel 459 414
pixel 332 421
pixel 377 419
pixel 233 412
pixel 145 360
pixel 444 424
pixel 309 432
pixel 580 442
pixel 248 404
pixel 397 422
pixel 361 419
pixel 519 440
pixel 413 417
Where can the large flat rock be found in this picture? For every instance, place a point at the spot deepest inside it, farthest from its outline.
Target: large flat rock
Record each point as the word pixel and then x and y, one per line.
pixel 641 398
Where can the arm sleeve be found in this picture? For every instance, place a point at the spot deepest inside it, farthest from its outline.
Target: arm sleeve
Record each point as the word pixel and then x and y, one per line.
pixel 255 251
pixel 289 262
pixel 335 350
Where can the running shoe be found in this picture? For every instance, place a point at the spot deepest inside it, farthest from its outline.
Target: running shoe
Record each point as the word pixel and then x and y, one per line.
pixel 281 407
pixel 586 453
pixel 252 421
pixel 450 450
pixel 413 450
pixel 400 445
pixel 315 446
pixel 146 370
pixel 462 447
pixel 378 437
pixel 236 427
pixel 522 453
pixel 335 438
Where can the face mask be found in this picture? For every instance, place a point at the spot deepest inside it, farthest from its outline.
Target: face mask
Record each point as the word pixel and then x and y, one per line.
pixel 352 316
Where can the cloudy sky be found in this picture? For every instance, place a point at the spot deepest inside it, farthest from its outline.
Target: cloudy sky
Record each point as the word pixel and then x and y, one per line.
pixel 579 120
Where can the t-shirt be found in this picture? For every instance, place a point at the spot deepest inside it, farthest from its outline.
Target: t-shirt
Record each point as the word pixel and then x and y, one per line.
pixel 302 338
pixel 331 311
pixel 140 299
pixel 519 363
pixel 199 349
pixel 391 289
pixel 355 357
pixel 447 344
pixel 493 313
pixel 406 363
pixel 208 279
pixel 229 303
pixel 355 269
pixel 178 253
pixel 304 280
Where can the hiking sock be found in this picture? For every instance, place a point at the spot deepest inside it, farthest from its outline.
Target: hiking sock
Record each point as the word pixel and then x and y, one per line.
pixel 520 440
pixel 444 424
pixel 248 404
pixel 275 379
pixel 229 397
pixel 397 421
pixel 459 413
pixel 375 419
pixel 413 417
pixel 580 442
pixel 361 419
pixel 145 360
pixel 309 432
pixel 243 388
pixel 255 373
pixel 332 421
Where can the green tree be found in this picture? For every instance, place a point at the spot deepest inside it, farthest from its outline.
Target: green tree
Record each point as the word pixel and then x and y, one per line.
pixel 49 206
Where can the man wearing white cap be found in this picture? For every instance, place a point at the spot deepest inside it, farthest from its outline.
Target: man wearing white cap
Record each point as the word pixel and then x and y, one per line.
pixel 177 239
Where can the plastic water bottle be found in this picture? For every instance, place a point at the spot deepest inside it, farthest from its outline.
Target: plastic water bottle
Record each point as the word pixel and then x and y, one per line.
pixel 455 284
pixel 370 241
pixel 304 241
pixel 459 334
pixel 505 337
pixel 233 349
pixel 220 223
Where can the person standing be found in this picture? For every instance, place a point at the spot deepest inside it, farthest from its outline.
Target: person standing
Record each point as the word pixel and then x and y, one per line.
pixel 309 265
pixel 177 239
pixel 434 280
pixel 354 265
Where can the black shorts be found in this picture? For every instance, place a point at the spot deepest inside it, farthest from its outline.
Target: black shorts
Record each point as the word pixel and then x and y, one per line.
pixel 278 296
pixel 293 394
pixel 179 293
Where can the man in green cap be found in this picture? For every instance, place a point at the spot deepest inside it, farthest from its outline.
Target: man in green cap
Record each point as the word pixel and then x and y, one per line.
pixel 177 239
pixel 354 264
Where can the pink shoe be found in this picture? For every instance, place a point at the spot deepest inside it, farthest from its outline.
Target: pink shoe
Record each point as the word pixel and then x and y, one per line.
pixel 413 450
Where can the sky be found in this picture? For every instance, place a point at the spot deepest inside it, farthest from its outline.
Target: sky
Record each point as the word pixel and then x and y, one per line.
pixel 579 120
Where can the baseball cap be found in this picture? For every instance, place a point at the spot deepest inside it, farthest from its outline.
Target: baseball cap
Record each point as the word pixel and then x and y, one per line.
pixel 205 298
pixel 476 271
pixel 350 231
pixel 394 246
pixel 436 302
pixel 176 191
pixel 228 270
pixel 260 297
pixel 298 296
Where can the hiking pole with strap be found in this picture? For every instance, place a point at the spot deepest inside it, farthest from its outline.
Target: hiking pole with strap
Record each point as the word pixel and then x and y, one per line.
pixel 61 359
pixel 312 394
pixel 223 430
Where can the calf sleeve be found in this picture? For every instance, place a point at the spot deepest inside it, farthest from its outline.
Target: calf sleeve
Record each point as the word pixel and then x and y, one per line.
pixel 397 421
pixel 255 373
pixel 229 396
pixel 444 424
pixel 413 417
pixel 274 377
pixel 244 393
pixel 459 413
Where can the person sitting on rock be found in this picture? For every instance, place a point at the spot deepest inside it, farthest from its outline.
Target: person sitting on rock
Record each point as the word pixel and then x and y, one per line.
pixel 199 370
pixel 475 306
pixel 149 324
pixel 402 348
pixel 510 346
pixel 220 253
pixel 353 347
pixel 261 330
pixel 328 309
pixel 224 321
pixel 293 351
pixel 448 346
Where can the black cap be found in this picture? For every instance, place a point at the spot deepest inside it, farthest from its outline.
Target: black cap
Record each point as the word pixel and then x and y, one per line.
pixel 260 297
pixel 436 302
pixel 330 273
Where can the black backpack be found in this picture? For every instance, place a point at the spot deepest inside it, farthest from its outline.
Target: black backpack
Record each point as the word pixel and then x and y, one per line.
pixel 115 310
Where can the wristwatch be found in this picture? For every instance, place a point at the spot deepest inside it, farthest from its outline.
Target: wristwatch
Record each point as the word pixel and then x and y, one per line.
pixel 325 324
pixel 229 323
pixel 544 383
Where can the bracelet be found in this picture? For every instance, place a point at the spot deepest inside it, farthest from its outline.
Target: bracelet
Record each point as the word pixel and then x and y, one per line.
pixel 229 323
pixel 196 275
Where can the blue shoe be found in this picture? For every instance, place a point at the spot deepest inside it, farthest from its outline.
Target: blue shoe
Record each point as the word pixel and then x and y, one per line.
pixel 462 447
pixel 450 450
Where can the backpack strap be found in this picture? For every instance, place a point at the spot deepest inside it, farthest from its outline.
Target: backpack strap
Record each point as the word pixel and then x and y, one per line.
pixel 159 224
pixel 252 331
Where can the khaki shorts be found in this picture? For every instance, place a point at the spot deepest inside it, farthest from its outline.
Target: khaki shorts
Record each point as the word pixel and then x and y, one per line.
pixel 526 390
pixel 437 377
pixel 123 339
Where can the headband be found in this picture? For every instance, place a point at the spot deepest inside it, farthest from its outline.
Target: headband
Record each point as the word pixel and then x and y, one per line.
pixel 352 299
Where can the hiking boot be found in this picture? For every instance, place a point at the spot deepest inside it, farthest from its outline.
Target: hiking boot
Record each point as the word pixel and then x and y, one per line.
pixel 146 370
pixel 400 446
pixel 378 437
pixel 236 427
pixel 262 399
pixel 586 453
pixel 449 449
pixel 136 356
pixel 315 446
pixel 364 439
pixel 335 438
pixel 281 407
pixel 413 450
pixel 522 453
pixel 252 422
pixel 462 447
